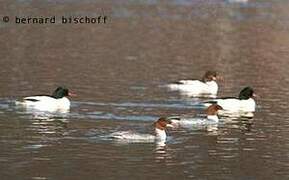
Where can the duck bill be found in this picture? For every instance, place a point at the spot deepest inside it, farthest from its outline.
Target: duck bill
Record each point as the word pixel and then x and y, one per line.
pixel 255 95
pixel 70 94
pixel 169 125
pixel 219 78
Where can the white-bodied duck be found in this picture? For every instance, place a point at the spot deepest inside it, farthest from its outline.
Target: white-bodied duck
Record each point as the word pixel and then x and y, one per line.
pixel 243 103
pixel 159 137
pixel 211 119
pixel 57 101
pixel 206 87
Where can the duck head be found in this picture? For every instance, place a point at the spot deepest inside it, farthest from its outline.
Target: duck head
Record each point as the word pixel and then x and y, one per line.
pixel 211 76
pixel 162 123
pixel 160 126
pixel 246 93
pixel 212 111
pixel 61 92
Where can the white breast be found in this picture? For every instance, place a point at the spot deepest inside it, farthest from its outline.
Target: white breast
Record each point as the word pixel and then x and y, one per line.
pixel 212 87
pixel 160 134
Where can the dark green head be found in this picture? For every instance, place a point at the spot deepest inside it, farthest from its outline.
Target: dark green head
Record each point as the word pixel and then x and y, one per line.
pixel 60 92
pixel 246 93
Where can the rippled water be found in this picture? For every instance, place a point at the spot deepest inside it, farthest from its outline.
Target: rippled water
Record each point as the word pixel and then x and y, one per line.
pixel 118 70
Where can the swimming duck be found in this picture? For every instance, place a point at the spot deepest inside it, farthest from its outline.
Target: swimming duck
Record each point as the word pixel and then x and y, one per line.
pixel 159 137
pixel 243 103
pixel 57 101
pixel 204 87
pixel 196 123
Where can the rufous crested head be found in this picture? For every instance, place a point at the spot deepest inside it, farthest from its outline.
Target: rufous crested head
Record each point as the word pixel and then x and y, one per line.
pixel 210 76
pixel 213 109
pixel 162 123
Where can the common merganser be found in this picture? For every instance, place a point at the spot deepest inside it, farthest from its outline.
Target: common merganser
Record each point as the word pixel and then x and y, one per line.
pixel 205 87
pixel 57 101
pixel 243 103
pixel 160 133
pixel 196 123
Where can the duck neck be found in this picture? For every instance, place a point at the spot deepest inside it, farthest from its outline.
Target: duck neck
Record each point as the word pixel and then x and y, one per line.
pixel 160 134
pixel 213 117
